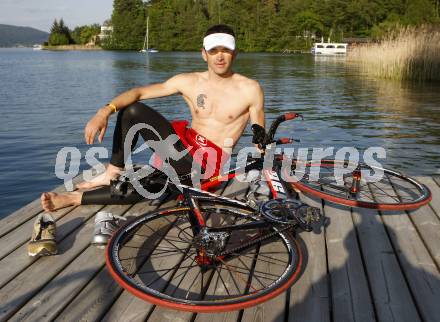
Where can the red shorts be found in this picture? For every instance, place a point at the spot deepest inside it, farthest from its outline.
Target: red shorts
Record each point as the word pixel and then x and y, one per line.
pixel 206 153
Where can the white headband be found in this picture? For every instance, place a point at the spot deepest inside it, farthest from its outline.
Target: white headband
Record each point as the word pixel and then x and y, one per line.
pixel 219 39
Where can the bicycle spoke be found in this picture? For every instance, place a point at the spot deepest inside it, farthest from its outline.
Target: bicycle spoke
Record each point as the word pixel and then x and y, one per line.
pixel 221 278
pixel 269 262
pixel 201 284
pixel 216 282
pixel 385 194
pixel 172 239
pixel 190 287
pixel 165 269
pixel 232 276
pixel 169 249
pixel 238 267
pixel 157 278
pixel 186 256
pixel 260 276
pixel 273 259
pixel 183 274
pixel 181 230
pixel 144 256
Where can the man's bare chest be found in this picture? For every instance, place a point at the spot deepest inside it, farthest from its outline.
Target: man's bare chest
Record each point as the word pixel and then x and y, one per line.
pixel 223 105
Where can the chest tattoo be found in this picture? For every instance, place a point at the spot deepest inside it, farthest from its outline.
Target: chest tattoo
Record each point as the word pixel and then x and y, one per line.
pixel 201 100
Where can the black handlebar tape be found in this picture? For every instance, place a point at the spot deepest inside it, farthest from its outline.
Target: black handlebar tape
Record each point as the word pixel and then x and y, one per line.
pixel 259 134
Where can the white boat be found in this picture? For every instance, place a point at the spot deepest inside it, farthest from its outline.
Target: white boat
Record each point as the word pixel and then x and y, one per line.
pixel 329 48
pixel 151 50
pixel 37 47
pixel 145 47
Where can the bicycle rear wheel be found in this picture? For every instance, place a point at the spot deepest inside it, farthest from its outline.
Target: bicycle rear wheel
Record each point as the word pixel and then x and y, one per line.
pixel 155 258
pixel 359 188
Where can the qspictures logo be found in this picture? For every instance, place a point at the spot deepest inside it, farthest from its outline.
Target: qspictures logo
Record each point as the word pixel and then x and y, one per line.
pixel 307 161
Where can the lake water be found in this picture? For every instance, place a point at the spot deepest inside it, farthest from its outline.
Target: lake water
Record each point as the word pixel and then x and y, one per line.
pixel 47 97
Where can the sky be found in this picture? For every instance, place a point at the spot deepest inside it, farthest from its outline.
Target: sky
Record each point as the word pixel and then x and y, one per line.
pixel 40 14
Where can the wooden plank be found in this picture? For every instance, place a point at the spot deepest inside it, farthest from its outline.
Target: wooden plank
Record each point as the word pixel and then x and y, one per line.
pixel 19 216
pixel 436 179
pixel 58 291
pixel 26 213
pixel 21 289
pixel 310 295
pixel 19 260
pixel 419 268
pixel 391 295
pixel 54 296
pixel 427 224
pixel 351 299
pixel 95 299
pixel 22 234
pixel 128 307
pixel 435 190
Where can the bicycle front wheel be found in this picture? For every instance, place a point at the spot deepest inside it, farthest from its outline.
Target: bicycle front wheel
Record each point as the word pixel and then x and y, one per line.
pixel 365 186
pixel 155 258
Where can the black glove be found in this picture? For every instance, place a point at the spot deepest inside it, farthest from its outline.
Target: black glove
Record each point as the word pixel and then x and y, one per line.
pixel 260 136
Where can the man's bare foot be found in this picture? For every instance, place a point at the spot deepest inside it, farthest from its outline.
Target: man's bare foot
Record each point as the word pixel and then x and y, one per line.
pixel 112 172
pixel 51 201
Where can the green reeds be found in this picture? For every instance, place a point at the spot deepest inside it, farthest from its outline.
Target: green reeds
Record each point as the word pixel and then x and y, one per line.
pixel 409 54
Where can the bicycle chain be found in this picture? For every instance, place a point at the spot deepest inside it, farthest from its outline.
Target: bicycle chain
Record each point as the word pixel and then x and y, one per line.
pixel 254 241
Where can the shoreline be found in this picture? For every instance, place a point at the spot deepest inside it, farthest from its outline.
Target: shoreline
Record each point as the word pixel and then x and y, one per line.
pixel 72 47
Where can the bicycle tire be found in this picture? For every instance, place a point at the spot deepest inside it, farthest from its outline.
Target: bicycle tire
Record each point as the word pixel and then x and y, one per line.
pixel 232 293
pixel 393 192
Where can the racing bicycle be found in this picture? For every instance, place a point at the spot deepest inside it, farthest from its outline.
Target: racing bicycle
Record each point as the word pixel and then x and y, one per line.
pixel 214 254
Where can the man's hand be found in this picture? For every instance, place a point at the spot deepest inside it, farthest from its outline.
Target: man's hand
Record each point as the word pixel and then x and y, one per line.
pixel 97 123
pixel 260 136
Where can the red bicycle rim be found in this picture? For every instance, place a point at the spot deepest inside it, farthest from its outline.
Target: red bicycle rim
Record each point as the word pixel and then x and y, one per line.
pixel 204 308
pixel 358 203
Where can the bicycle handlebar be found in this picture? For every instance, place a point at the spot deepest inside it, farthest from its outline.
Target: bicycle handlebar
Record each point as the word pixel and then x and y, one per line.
pixel 264 139
pixel 285 141
pixel 292 115
pixel 280 119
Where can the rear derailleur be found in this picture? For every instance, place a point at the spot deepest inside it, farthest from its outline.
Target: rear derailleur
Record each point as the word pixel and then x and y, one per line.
pixel 213 243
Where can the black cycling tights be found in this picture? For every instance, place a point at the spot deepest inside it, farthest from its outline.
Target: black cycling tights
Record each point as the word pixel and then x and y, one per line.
pixel 127 117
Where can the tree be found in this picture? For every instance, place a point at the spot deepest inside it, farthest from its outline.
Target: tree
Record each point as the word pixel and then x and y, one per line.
pixel 261 25
pixel 57 39
pixel 128 21
pixel 420 11
pixel 59 34
pixel 308 25
pixel 84 34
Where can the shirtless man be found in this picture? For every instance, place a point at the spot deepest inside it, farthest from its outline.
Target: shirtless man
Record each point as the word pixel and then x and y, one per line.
pixel 221 103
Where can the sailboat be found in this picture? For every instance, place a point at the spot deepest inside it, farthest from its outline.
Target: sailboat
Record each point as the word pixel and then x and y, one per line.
pixel 145 49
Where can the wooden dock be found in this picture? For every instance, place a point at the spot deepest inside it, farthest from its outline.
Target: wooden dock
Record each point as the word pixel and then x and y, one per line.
pixel 364 266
